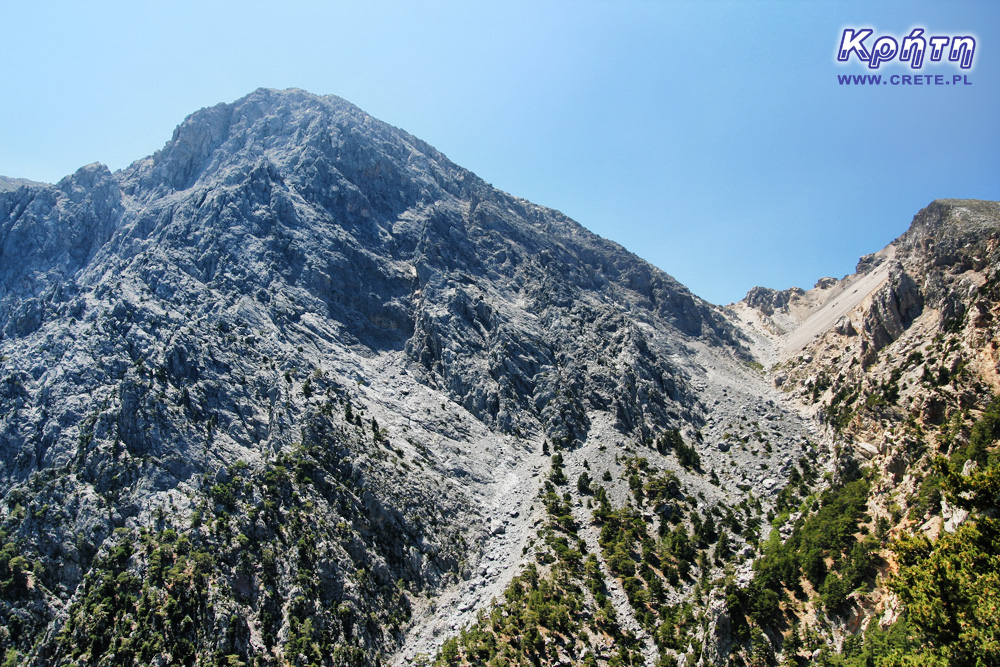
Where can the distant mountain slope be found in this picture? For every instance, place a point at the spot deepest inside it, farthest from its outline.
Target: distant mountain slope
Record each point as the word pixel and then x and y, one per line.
pixel 7 184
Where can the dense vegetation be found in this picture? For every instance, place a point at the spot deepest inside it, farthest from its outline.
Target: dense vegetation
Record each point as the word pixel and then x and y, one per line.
pixel 823 554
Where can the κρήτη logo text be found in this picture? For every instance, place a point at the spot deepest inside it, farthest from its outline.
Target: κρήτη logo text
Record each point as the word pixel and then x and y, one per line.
pixel 914 48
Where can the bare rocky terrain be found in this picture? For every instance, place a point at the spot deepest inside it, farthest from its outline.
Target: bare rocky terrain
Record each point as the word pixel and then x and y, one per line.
pixel 295 383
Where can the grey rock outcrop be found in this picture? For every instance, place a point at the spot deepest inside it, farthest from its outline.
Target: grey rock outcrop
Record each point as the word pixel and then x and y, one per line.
pixel 894 306
pixel 867 263
pixel 768 300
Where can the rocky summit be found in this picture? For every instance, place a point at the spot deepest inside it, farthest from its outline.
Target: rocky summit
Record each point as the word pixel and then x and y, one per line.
pixel 298 390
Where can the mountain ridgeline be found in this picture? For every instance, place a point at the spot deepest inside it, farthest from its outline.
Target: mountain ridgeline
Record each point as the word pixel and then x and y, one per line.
pixel 298 390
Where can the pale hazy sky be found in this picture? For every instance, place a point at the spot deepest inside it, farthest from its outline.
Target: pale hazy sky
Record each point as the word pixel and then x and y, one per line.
pixel 711 138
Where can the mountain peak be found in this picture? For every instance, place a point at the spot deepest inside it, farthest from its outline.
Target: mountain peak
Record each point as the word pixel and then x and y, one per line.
pixel 358 222
pixel 287 127
pixel 951 222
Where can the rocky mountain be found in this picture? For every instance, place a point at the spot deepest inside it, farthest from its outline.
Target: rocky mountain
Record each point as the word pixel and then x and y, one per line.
pixel 289 385
pixel 899 361
pixel 297 389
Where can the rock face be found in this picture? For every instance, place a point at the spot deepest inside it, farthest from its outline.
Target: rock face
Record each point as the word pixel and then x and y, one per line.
pixel 947 243
pixel 768 300
pixel 366 227
pixel 938 265
pixel 893 308
pixel 304 360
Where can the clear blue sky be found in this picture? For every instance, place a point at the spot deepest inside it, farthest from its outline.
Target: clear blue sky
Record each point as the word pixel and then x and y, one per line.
pixel 711 138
